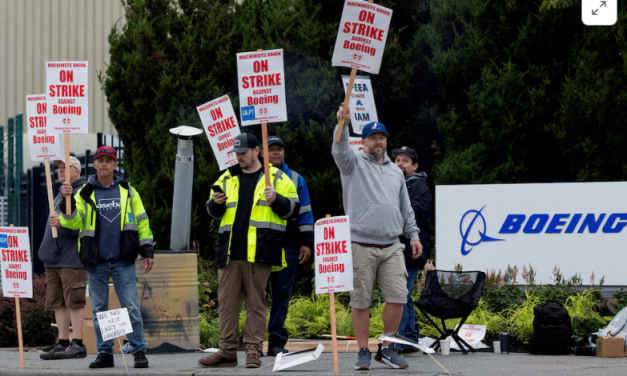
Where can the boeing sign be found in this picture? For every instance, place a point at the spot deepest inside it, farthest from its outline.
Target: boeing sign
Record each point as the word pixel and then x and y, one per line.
pixel 580 227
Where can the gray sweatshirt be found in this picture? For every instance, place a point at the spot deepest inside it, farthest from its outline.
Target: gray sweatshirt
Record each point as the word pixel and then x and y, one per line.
pixel 375 196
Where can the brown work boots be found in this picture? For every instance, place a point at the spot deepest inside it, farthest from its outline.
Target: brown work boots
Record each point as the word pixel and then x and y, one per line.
pixel 217 360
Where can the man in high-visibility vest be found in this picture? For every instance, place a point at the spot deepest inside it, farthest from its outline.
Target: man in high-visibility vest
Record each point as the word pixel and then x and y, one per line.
pixel 253 220
pixel 114 230
pixel 297 245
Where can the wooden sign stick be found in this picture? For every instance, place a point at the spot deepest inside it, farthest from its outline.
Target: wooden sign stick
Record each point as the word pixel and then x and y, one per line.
pixel 66 145
pixel 18 315
pixel 122 351
pixel 333 329
pixel 347 98
pixel 266 157
pixel 50 197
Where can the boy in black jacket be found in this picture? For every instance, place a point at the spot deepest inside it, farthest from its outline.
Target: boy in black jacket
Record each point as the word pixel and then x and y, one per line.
pixel 407 160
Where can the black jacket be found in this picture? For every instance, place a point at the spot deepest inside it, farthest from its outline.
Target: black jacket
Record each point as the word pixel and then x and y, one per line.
pixel 421 201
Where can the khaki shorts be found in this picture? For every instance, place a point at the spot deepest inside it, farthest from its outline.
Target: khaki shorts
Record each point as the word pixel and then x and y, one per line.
pixel 387 265
pixel 65 288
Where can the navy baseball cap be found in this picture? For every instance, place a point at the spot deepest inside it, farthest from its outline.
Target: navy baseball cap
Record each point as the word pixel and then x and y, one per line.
pixel 274 140
pixel 372 128
pixel 411 153
pixel 243 142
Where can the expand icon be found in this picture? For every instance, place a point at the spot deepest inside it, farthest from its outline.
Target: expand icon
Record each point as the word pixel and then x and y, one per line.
pixel 473 227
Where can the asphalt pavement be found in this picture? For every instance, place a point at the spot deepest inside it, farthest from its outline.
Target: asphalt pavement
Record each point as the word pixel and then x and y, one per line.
pixel 478 364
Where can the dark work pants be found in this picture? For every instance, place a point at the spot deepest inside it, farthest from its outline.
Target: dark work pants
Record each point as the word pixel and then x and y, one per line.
pixel 281 284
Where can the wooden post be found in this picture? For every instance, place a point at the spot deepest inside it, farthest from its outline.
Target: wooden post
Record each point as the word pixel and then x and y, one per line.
pixel 266 157
pixel 347 98
pixel 122 351
pixel 333 328
pixel 18 315
pixel 68 199
pixel 50 197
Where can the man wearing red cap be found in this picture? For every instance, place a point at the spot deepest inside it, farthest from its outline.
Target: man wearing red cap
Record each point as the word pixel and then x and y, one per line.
pixel 114 230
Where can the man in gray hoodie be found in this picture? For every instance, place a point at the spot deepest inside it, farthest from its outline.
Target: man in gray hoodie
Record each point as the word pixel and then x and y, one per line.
pixel 65 276
pixel 376 200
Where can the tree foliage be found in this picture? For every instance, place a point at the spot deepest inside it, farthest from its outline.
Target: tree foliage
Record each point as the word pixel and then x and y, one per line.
pixel 487 91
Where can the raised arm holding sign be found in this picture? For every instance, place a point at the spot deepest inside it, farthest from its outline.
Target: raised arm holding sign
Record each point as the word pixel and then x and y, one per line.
pixel 360 42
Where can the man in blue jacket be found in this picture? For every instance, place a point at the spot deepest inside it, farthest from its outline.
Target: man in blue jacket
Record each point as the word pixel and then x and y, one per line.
pixel 298 244
pixel 420 196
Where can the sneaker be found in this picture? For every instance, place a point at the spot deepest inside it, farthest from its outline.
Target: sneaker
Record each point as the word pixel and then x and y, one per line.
pixel 217 360
pixel 50 354
pixel 363 359
pixel 276 350
pixel 390 357
pixel 253 361
pixel 140 359
pixel 103 361
pixel 73 351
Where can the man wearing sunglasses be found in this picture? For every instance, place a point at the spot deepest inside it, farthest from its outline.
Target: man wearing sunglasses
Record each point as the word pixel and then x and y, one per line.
pixel 114 230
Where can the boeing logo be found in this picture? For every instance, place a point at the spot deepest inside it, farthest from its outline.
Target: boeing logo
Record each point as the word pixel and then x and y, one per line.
pixel 559 223
pixel 466 233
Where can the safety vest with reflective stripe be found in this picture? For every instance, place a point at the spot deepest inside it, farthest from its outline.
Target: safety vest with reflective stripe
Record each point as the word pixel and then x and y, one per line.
pixel 134 226
pixel 266 230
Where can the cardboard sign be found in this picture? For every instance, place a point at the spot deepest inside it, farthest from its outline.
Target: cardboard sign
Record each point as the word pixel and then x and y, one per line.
pixel 361 39
pixel 261 87
pixel 289 360
pixel 114 323
pixel 334 258
pixel 220 125
pixel 17 268
pixel 473 335
pixel 355 144
pixel 361 104
pixel 43 146
pixel 66 96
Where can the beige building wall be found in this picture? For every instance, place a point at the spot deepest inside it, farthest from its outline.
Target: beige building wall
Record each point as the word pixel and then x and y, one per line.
pixel 35 31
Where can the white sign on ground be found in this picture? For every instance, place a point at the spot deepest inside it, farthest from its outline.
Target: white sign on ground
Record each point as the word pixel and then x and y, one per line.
pixel 220 125
pixel 578 227
pixel 361 39
pixel 66 96
pixel 289 360
pixel 16 264
pixel 261 80
pixel 114 323
pixel 362 107
pixel 334 260
pixel 473 335
pixel 43 145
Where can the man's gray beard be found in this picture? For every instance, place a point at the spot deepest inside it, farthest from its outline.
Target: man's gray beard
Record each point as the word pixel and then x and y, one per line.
pixel 377 155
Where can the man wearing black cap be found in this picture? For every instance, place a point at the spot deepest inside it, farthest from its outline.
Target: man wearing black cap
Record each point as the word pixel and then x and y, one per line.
pixel 298 244
pixel 253 221
pixel 375 198
pixel 407 160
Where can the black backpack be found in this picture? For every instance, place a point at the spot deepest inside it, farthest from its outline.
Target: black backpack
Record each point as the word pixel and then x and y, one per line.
pixel 552 330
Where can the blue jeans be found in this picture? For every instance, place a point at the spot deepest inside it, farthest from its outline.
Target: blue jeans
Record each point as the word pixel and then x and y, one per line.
pixel 123 275
pixel 282 283
pixel 407 328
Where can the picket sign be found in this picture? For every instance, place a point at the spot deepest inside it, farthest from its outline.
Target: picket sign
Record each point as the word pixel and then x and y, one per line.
pixel 363 108
pixel 67 98
pixel 362 26
pixel 334 265
pixel 114 324
pixel 39 134
pixel 220 125
pixel 17 275
pixel 261 86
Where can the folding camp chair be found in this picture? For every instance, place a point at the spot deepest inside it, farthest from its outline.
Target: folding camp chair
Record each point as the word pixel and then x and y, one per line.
pixel 451 295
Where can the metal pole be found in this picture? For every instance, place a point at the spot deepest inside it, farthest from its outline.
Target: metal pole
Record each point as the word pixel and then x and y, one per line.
pixel 11 172
pixel 19 162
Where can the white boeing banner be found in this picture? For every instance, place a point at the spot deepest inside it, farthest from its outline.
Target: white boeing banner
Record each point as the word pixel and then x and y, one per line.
pixel 580 227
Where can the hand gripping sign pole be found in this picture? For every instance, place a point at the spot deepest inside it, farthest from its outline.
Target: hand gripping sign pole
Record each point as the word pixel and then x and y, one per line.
pixel 50 197
pixel 360 22
pixel 334 265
